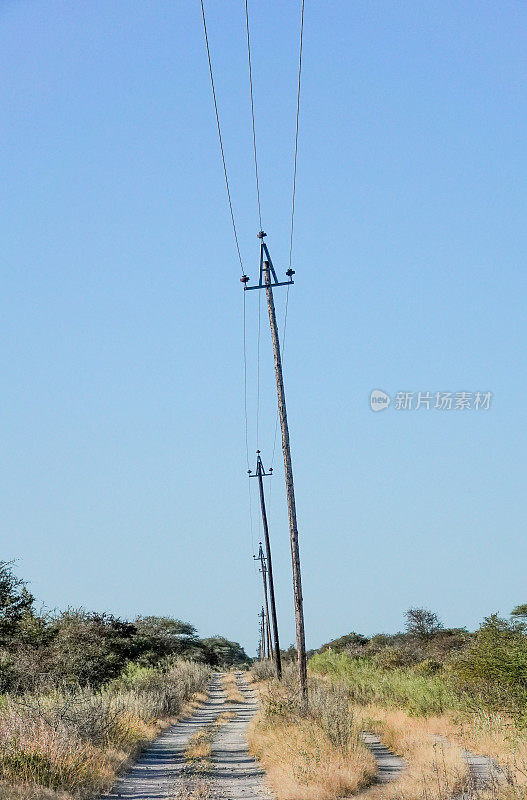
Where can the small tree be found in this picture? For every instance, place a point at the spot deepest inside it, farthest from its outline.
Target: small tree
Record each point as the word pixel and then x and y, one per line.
pixel 520 612
pixel 496 662
pixel 158 637
pixel 422 623
pixel 16 602
pixel 89 648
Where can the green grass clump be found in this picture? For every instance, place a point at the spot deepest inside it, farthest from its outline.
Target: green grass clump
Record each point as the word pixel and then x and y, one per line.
pixel 419 694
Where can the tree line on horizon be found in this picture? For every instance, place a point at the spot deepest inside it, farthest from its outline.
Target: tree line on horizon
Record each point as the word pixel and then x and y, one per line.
pixel 39 650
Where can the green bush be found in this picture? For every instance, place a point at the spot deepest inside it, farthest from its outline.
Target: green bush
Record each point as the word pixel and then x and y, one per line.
pixel 495 666
pixel 393 658
pixel 427 667
pixel 420 695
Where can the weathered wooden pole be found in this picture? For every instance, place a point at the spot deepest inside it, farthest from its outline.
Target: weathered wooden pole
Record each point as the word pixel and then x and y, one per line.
pixel 290 488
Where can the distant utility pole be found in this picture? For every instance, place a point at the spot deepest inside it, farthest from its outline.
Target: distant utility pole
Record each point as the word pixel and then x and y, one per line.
pixel 261 474
pixel 262 633
pixel 268 279
pixel 263 569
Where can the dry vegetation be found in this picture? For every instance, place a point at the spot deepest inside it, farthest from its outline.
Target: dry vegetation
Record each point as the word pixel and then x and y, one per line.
pixel 65 744
pixel 199 748
pixel 231 688
pixel 435 769
pixel 200 790
pixel 314 756
pixel 425 718
pixel 80 691
pixel 428 720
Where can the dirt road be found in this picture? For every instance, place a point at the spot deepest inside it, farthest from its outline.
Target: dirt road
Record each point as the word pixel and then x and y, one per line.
pixel 228 773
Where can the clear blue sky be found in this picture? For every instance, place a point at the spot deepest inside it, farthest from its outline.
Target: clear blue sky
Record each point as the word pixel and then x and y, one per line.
pixel 123 455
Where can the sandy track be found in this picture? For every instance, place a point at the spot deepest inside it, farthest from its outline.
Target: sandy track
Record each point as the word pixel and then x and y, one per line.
pixel 162 771
pixel 237 775
pixel 389 766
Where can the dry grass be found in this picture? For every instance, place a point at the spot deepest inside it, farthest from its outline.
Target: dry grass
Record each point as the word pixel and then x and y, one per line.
pixel 432 746
pixel 309 757
pixel 419 717
pixel 302 763
pixel 63 745
pixel 199 748
pixel 262 671
pixel 231 689
pixel 200 790
pixel 436 770
pixel 8 792
pixel 497 736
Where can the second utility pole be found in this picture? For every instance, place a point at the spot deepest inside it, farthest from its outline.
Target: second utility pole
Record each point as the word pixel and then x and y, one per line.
pixel 261 474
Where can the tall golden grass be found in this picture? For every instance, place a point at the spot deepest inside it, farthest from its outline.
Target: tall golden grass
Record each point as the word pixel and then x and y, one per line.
pixel 73 743
pixel 313 756
pixel 231 689
pixel 435 767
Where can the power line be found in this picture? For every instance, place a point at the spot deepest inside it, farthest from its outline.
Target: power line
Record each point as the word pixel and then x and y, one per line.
pixel 240 259
pixel 292 203
pixel 245 380
pixel 296 133
pixel 219 135
pixel 259 217
pixel 252 113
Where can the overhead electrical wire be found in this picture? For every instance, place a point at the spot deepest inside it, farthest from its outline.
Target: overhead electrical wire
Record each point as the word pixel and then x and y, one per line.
pixel 233 227
pixel 282 349
pixel 219 136
pixel 295 159
pixel 259 218
pixel 296 132
pixel 252 112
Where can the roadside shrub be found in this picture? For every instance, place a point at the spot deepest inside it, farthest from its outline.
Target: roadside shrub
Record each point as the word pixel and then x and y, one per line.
pixel 38 751
pixel 263 670
pixel 329 705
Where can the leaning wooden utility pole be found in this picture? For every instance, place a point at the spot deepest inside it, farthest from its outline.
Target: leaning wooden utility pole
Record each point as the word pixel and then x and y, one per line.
pixel 270 279
pixel 261 474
